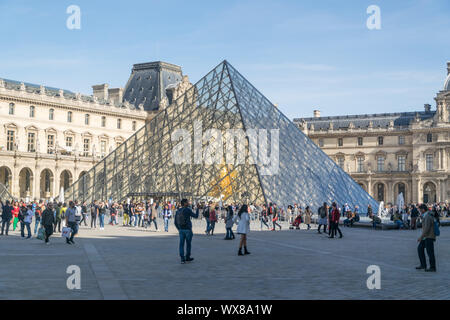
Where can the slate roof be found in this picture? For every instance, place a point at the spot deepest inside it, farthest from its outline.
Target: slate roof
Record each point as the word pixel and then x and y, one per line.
pixel 148 83
pixel 379 120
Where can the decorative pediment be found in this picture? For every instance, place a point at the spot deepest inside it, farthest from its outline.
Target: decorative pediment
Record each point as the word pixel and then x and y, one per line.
pixel 381 153
pixel 401 153
pixel 86 134
pixel 340 155
pixel 69 133
pixel 31 128
pixel 50 130
pixel 11 125
pixel 360 154
pixel 119 139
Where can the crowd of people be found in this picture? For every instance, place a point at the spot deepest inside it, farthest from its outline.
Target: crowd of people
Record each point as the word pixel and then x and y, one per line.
pixel 52 216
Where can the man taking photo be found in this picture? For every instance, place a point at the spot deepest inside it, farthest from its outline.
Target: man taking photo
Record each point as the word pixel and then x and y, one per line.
pixel 184 226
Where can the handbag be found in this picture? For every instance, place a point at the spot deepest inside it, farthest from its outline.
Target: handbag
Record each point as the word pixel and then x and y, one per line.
pixel 66 232
pixel 41 233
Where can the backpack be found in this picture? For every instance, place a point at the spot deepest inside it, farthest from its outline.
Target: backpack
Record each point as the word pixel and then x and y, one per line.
pixel 206 212
pixel 323 212
pixel 78 214
pixel 437 232
pixel 181 220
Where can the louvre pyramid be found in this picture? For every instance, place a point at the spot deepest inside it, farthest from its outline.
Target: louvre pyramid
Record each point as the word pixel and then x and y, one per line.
pixel 223 99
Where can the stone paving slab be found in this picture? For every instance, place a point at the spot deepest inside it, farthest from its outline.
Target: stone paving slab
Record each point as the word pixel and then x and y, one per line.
pixel 133 263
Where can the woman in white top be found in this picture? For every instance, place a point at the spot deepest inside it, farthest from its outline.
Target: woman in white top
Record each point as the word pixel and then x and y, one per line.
pixel 243 228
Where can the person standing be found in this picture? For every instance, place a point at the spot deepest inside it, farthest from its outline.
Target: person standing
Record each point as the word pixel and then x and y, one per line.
pixel 263 217
pixel 6 216
pixel 275 216
pixel 243 228
pixel 48 220
pixel 15 213
pixel 94 214
pixel 58 217
pixel 101 215
pixel 126 214
pixel 369 211
pixel 229 224
pixel 83 214
pixel 426 240
pixel 22 215
pixel 71 221
pixel 414 216
pixel 334 222
pixel 27 220
pixel 307 218
pixel 206 215
pixel 184 226
pixel 323 221
pixel 167 214
pixel 154 215
pixel 212 220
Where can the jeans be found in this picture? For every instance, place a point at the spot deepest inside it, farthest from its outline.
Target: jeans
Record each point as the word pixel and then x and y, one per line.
pixel 427 244
pixel 36 224
pixel 264 222
pixel 83 219
pixel 154 222
pixel 93 221
pixel 185 236
pixel 57 224
pixel 6 223
pixel 399 223
pixel 207 225
pixel 335 229
pixel 102 220
pixel 28 226
pixel 74 227
pixel 212 225
pixel 230 234
pixel 166 224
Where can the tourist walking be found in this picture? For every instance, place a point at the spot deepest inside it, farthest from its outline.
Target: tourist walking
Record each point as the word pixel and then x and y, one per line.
pixel 58 217
pixel 28 218
pixel 101 215
pixel 212 220
pixel 184 226
pixel 322 216
pixel 206 214
pixel 414 216
pixel 426 240
pixel 6 216
pixel 263 217
pixel 229 223
pixel 48 220
pixel 275 216
pixel 243 228
pixel 72 221
pixel 37 216
pixel 83 214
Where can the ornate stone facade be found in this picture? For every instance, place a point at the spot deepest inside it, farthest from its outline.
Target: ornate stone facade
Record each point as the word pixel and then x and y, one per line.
pixel 392 152
pixel 50 137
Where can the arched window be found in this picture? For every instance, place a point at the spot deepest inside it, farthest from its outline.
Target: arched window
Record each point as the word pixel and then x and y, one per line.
pixel 51 114
pixel 11 108
pixel 86 119
pixel 32 111
pixel 103 121
pixel 69 116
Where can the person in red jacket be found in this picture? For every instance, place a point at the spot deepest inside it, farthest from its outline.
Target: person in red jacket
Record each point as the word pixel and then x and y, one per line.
pixel 334 222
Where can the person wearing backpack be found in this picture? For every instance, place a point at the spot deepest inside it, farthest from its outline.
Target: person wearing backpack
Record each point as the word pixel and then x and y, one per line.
pixel 184 226
pixel 426 240
pixel 323 221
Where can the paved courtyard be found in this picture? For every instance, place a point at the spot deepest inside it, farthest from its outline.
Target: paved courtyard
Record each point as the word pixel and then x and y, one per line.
pixel 128 263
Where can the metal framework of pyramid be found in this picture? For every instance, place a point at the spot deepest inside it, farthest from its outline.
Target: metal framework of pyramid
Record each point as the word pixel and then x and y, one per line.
pixel 4 193
pixel 143 165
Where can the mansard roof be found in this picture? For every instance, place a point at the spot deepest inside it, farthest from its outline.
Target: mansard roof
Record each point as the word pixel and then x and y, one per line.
pixel 377 120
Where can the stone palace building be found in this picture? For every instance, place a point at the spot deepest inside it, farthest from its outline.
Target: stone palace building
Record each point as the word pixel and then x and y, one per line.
pixel 389 153
pixel 50 137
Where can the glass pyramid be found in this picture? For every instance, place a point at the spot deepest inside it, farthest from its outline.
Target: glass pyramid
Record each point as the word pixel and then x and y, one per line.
pixel 194 128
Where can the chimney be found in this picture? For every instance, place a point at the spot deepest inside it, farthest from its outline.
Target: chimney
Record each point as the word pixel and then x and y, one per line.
pixel 427 107
pixel 116 95
pixel 316 113
pixel 100 91
pixel 448 67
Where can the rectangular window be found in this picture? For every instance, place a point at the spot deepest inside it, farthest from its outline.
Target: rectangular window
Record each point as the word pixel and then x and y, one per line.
pixel 341 162
pixel 103 121
pixel 119 123
pixel 380 141
pixel 86 144
pixel 380 164
pixel 86 119
pixel 321 143
pixel 360 141
pixel 11 108
pixel 51 114
pixel 10 139
pixel 134 125
pixel 360 164
pixel 401 163
pixel 31 142
pixel 50 143
pixel 429 162
pixel 340 142
pixel 69 116
pixel 69 142
pixel 429 137
pixel 103 147
pixel 401 140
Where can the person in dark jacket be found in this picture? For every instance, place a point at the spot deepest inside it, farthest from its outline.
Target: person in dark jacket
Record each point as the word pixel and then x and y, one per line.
pixel 414 216
pixel 334 222
pixel 48 220
pixel 6 216
pixel 184 226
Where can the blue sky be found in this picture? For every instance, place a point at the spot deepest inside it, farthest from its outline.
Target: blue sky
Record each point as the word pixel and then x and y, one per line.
pixel 302 55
